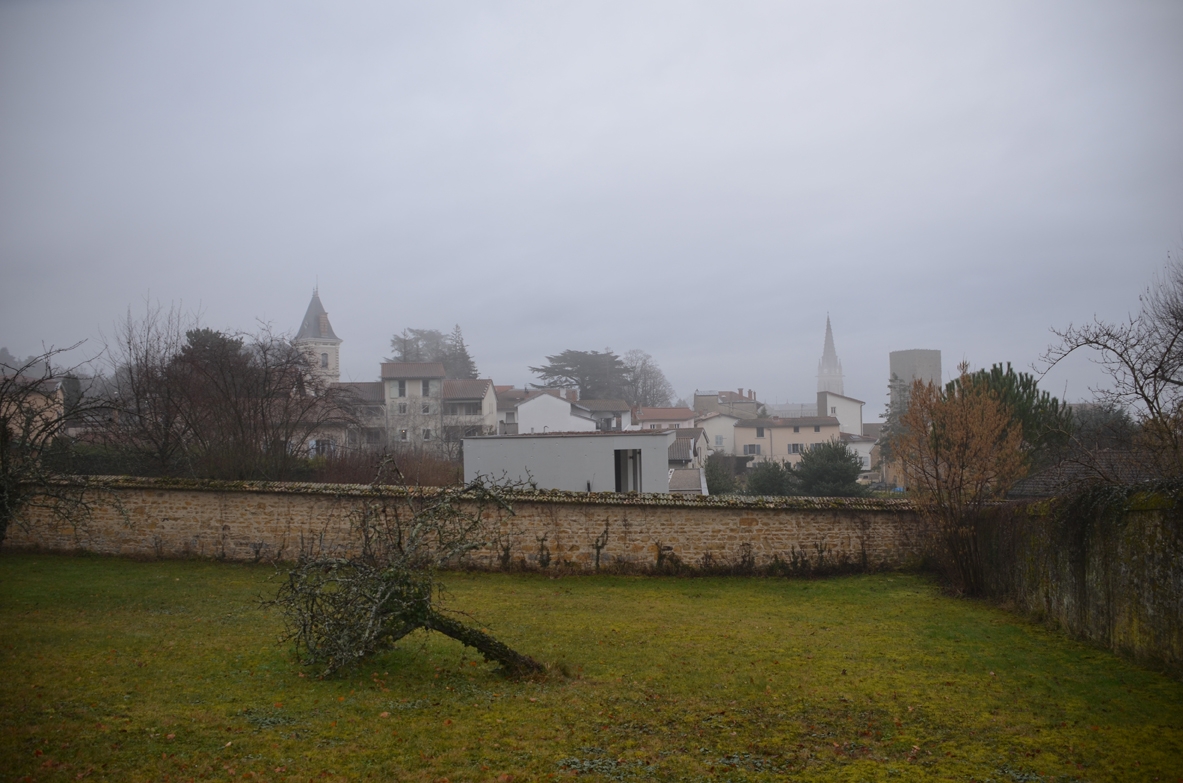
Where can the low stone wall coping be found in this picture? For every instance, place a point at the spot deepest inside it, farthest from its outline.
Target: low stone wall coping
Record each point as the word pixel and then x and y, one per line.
pixel 534 496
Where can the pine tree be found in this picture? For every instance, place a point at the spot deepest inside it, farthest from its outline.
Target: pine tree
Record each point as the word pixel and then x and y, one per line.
pixel 458 362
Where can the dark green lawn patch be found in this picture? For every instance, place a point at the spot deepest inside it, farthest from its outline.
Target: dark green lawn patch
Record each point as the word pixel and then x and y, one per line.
pixel 122 670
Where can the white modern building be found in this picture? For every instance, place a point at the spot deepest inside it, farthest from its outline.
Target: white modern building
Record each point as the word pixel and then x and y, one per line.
pixel 635 461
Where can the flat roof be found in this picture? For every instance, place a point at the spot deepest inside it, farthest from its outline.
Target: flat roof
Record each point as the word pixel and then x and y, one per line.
pixel 596 434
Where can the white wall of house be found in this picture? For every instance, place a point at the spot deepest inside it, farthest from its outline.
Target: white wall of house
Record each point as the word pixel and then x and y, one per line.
pixel 720 432
pixel 847 410
pixel 573 462
pixel 546 413
pixel 863 449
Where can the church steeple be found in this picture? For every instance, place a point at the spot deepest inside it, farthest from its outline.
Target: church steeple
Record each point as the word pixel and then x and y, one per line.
pixel 829 369
pixel 317 339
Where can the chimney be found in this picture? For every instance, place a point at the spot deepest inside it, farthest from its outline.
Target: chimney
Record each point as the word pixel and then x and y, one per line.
pixel 751 394
pixel 571 395
pixel 741 391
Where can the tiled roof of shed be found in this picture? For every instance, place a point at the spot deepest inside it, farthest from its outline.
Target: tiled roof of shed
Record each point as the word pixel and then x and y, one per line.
pixel 411 370
pixel 466 389
pixel 681 450
pixel 664 414
pixel 366 391
pixel 686 480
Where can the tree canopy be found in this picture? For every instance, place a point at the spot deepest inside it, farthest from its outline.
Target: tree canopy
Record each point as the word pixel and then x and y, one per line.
pixel 597 375
pixel 1143 357
pixel 829 469
pixel 432 345
pixel 1046 422
pixel 635 378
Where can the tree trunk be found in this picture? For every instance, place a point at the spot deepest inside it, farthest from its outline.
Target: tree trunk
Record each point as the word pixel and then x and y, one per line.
pixel 492 650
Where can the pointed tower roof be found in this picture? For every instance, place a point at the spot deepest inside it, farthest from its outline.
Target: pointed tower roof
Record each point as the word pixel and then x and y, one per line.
pixel 316 324
pixel 829 369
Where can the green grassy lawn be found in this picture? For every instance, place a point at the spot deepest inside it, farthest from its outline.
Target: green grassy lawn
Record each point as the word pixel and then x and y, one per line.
pixel 119 670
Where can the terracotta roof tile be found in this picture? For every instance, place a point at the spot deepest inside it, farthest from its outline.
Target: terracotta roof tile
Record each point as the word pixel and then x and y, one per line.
pixel 466 389
pixel 412 370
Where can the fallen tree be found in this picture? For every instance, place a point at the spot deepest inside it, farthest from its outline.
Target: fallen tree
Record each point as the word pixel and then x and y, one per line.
pixel 342 609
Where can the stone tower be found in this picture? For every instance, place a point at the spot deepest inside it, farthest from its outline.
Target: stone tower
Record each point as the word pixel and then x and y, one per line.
pixel 829 369
pixel 317 340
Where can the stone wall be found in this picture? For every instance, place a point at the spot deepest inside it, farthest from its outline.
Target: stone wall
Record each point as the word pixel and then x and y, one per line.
pixel 1115 580
pixel 256 521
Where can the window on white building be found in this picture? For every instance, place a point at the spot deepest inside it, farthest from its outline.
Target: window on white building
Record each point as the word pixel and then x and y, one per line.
pixel 402 388
pixel 759 432
pixel 402 434
pixel 427 388
pixel 427 434
pixel 834 410
pixel 794 448
pixel 427 407
pixel 817 428
pixel 718 440
pixel 402 407
pixel 751 448
pixel 324 360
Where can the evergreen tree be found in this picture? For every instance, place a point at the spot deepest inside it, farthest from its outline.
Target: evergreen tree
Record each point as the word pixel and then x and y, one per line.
pixel 458 363
pixel 771 478
pixel 598 376
pixel 829 470
pixel 432 345
pixel 1046 423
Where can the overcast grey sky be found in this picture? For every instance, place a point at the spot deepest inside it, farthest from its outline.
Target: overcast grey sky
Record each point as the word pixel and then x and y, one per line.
pixel 703 181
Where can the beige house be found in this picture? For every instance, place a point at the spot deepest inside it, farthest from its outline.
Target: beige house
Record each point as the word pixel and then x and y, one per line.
pixel 739 403
pixel 719 429
pixel 470 408
pixel 783 440
pixel 414 394
pixel 663 418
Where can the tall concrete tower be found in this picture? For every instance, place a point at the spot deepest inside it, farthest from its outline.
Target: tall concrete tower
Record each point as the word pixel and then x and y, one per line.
pixel 829 369
pixel 918 364
pixel 317 340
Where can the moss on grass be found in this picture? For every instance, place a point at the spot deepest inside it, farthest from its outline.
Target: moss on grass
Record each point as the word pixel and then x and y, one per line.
pixel 121 670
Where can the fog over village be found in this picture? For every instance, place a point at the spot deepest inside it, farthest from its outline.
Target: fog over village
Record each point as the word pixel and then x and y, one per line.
pixel 704 184
pixel 515 391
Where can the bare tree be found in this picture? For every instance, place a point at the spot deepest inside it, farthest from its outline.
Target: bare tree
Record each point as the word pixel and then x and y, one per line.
pixel 198 402
pixel 1143 357
pixel 959 448
pixel 147 391
pixel 36 408
pixel 645 384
